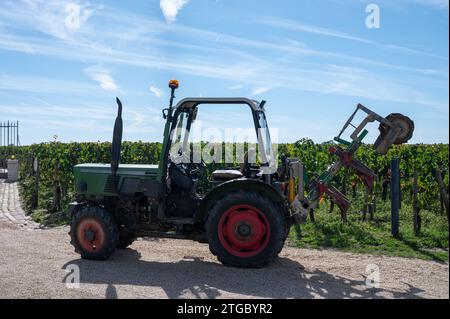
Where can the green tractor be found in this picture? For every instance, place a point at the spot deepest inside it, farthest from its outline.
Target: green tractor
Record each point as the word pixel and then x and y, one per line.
pixel 244 214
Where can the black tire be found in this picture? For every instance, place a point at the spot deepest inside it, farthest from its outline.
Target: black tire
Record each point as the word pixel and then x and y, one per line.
pixel 272 217
pixel 104 224
pixel 126 237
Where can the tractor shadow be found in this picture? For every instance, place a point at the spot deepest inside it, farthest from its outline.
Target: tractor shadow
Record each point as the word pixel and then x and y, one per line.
pixel 283 278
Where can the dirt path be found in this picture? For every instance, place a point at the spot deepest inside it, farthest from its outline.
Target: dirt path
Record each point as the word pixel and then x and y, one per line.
pixel 33 264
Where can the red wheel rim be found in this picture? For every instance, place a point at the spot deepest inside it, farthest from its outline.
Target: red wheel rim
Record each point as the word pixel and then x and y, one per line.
pixel 90 235
pixel 244 231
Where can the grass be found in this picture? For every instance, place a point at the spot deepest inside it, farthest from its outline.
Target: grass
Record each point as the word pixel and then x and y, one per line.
pixel 374 236
pixel 42 217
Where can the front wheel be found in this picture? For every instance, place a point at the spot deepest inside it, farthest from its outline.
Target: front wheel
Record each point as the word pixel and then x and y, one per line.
pixel 94 233
pixel 245 229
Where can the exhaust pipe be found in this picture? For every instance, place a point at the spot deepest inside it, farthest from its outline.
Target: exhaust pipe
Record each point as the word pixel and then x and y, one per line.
pixel 116 144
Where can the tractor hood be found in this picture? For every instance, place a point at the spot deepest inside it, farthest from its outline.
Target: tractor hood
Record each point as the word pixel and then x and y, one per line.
pixel 124 169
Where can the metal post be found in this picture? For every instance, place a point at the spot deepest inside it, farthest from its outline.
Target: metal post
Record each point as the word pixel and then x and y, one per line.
pixel 395 196
pixel 7 132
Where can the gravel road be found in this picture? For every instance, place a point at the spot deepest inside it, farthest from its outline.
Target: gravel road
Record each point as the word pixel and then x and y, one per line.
pixel 33 264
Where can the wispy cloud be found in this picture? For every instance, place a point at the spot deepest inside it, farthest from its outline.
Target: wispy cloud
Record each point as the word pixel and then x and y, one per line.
pixel 103 77
pixel 170 8
pixel 134 40
pixel 440 4
pixel 44 85
pixel 236 87
pixel 156 91
pixel 301 27
pixel 60 19
pixel 260 90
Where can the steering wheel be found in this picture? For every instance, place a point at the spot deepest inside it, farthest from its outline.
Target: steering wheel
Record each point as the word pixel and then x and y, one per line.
pixel 185 163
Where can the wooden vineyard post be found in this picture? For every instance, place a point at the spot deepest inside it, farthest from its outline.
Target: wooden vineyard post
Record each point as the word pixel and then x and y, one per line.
pixel 395 196
pixel 372 204
pixel 416 216
pixel 366 205
pixel 373 201
pixel 36 183
pixel 442 189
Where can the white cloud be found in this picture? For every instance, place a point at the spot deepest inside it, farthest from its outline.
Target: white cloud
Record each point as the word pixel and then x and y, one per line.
pixel 103 77
pixel 157 91
pixel 260 90
pixel 170 8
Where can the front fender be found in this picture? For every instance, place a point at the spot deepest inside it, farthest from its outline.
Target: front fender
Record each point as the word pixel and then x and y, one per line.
pixel 74 207
pixel 233 185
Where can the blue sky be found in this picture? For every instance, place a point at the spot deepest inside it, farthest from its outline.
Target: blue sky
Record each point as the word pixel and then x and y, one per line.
pixel 63 62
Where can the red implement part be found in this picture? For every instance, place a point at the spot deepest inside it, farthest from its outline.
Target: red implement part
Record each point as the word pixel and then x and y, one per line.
pixel 365 173
pixel 336 196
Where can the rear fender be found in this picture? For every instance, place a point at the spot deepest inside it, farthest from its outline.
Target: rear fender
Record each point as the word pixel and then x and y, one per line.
pixel 235 185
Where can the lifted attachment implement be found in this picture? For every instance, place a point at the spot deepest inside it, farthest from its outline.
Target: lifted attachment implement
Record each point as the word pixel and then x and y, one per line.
pixel 394 129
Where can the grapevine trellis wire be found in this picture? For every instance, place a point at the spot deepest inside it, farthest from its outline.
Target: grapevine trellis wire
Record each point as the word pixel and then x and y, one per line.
pixel 9 133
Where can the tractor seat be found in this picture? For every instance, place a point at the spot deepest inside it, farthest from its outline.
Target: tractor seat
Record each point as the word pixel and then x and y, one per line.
pixel 226 174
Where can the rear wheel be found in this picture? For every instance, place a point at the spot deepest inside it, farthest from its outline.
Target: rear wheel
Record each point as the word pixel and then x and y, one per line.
pixel 94 233
pixel 245 229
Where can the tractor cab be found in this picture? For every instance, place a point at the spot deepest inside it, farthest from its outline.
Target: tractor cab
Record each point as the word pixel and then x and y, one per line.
pixel 182 157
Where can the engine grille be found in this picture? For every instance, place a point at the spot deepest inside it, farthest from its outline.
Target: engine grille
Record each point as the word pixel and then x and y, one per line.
pixel 109 185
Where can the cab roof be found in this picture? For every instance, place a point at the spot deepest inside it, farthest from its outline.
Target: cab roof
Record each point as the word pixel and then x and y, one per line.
pixel 190 102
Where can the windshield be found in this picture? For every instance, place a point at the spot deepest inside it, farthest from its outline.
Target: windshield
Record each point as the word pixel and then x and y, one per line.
pixel 179 136
pixel 267 154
